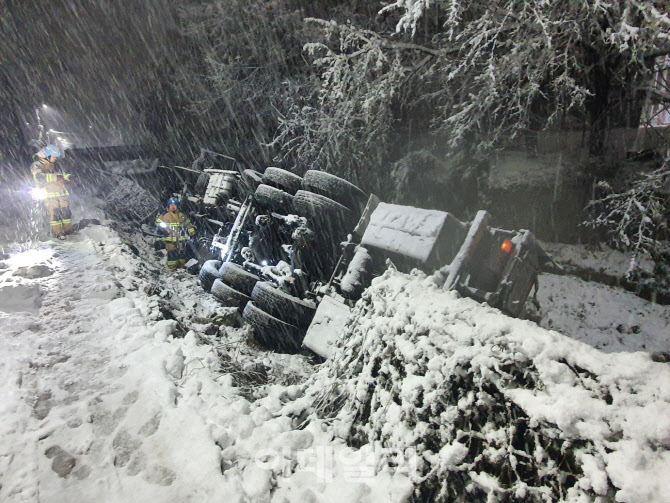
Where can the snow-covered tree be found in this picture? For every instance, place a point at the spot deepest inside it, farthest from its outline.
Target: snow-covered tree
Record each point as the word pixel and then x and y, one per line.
pixel 481 73
pixel 522 65
pixel 348 123
pixel 636 220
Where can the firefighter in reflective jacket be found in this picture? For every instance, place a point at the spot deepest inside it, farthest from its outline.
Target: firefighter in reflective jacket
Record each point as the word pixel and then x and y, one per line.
pixel 51 187
pixel 175 226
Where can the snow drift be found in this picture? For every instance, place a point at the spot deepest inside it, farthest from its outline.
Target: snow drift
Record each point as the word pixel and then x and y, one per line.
pixel 495 408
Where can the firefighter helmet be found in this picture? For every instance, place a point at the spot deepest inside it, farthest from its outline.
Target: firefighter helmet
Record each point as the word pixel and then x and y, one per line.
pixel 173 200
pixel 52 150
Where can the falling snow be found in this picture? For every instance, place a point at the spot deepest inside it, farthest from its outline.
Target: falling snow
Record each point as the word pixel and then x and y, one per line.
pixel 126 380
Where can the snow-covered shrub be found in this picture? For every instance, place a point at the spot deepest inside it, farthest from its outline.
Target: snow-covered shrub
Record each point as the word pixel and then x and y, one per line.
pixel 496 408
pixel 636 220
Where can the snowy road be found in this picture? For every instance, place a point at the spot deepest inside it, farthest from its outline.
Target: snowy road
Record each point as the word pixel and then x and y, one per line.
pixel 88 406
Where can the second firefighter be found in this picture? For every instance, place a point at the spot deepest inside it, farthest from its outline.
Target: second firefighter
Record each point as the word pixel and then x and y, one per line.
pixel 176 229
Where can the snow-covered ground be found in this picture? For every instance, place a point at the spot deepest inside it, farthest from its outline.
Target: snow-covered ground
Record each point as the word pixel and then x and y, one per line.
pixel 114 391
pixel 604 259
pixel 608 318
pixel 90 406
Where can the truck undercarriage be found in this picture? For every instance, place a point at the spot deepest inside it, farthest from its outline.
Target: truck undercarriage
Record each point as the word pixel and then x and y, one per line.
pixel 293 253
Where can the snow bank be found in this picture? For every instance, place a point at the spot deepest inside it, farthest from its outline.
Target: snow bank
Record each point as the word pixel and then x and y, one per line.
pixel 493 406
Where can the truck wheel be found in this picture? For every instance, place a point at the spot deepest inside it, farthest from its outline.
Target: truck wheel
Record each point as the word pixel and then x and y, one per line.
pixel 271 331
pixel 208 273
pixel 282 305
pixel 335 188
pixel 320 208
pixel 236 277
pixel 282 179
pixel 228 296
pixel 273 199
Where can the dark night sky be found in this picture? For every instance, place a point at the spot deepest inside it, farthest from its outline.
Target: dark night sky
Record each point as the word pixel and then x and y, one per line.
pixel 89 58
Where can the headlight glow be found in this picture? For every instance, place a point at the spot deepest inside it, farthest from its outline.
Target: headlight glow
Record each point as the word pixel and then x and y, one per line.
pixel 38 193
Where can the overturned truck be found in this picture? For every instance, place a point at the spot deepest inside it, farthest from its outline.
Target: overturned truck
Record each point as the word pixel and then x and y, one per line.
pixel 301 250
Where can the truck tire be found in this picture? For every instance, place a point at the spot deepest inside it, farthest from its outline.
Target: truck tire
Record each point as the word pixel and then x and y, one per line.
pixel 320 208
pixel 208 273
pixel 272 332
pixel 229 296
pixel 281 305
pixel 272 198
pixel 335 188
pixel 282 179
pixel 236 277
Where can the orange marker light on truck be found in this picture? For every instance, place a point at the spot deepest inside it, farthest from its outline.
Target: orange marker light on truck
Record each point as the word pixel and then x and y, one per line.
pixel 506 246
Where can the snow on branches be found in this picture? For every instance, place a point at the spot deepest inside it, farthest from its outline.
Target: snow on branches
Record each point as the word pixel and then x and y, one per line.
pixel 351 114
pixel 638 18
pixel 484 72
pixel 414 10
pixel 636 220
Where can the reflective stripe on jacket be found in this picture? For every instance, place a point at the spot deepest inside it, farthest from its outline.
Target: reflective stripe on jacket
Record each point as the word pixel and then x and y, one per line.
pixel 46 177
pixel 175 225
